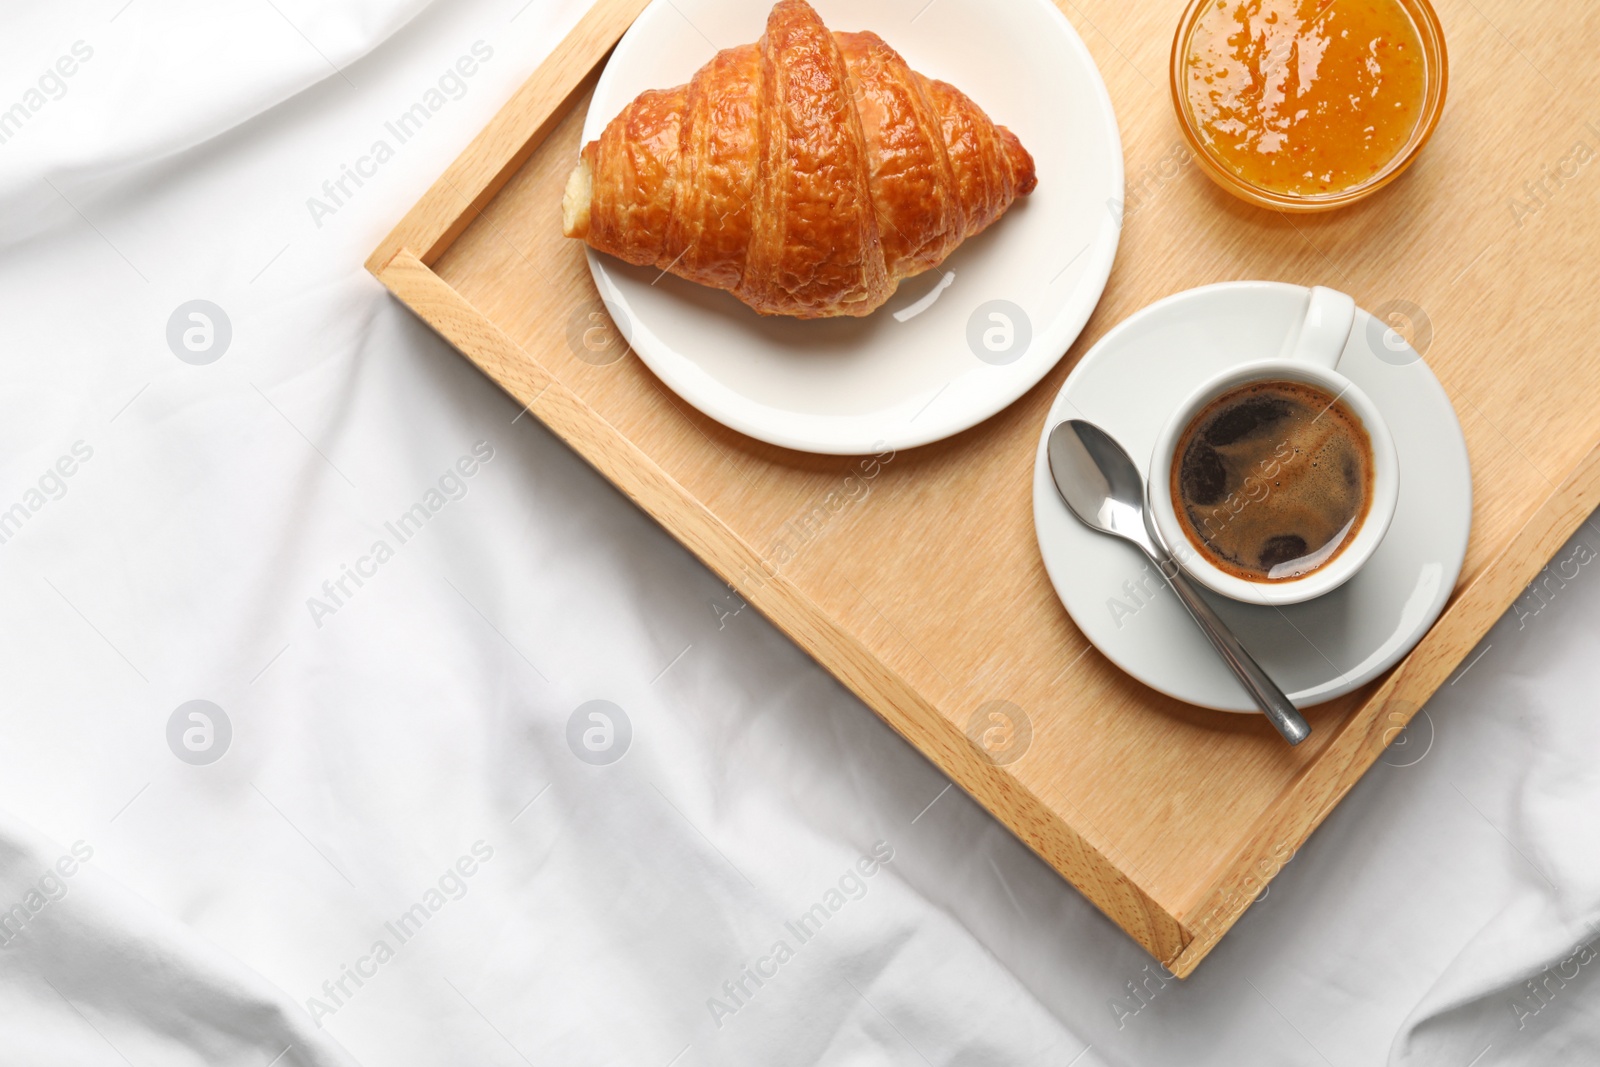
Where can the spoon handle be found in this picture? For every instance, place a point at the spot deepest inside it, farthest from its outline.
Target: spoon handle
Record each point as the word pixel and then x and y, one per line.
pixel 1263 690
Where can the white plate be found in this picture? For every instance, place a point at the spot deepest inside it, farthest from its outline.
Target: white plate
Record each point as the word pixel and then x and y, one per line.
pixel 1128 384
pixel 891 381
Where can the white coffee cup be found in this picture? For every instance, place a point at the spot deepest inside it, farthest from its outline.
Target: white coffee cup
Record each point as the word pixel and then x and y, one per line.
pixel 1311 356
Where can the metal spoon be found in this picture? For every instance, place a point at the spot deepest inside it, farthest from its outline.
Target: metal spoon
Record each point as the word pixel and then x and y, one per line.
pixel 1103 489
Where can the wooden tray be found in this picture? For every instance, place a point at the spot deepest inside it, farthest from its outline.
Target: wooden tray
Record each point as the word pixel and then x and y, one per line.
pixel 928 598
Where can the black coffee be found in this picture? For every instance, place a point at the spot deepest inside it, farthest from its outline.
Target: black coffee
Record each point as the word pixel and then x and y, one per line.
pixel 1272 480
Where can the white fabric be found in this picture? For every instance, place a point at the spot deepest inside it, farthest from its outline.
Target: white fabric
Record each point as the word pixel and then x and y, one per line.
pixel 419 721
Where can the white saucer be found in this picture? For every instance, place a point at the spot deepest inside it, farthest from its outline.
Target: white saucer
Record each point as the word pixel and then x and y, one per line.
pixel 1129 383
pixel 906 375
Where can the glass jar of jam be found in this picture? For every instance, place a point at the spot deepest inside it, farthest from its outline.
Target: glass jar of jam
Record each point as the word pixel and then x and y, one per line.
pixel 1306 105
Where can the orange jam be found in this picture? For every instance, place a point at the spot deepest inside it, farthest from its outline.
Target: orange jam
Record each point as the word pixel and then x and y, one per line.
pixel 1305 97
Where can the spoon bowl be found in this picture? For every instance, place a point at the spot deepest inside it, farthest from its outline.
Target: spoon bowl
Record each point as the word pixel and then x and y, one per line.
pixel 1098 481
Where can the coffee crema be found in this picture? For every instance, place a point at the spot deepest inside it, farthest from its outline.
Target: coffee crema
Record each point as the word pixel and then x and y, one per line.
pixel 1272 480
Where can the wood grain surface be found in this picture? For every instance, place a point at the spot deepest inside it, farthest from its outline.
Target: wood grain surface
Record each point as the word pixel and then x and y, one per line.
pixel 924 592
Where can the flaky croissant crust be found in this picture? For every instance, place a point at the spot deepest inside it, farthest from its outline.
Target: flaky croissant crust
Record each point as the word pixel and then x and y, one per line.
pixel 806 174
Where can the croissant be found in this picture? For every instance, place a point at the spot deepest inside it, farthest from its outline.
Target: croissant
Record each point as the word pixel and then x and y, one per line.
pixel 806 174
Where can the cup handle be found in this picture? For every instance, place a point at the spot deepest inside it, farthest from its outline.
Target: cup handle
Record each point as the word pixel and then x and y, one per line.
pixel 1321 334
